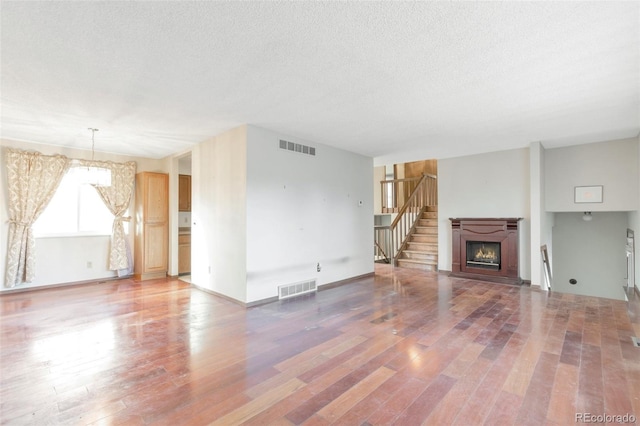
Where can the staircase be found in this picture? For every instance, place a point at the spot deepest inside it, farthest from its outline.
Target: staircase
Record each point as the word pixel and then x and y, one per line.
pixel 421 249
pixel 412 238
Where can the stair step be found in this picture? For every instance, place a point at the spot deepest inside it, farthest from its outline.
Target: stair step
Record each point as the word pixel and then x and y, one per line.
pixel 410 263
pixel 419 255
pixel 424 238
pixel 426 230
pixel 428 222
pixel 427 247
pixel 424 262
pixel 430 215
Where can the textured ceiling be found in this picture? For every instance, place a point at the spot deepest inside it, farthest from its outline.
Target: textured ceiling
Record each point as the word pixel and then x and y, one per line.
pixel 392 80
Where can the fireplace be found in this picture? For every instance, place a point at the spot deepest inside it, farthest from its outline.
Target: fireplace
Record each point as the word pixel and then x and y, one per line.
pixel 485 249
pixel 483 254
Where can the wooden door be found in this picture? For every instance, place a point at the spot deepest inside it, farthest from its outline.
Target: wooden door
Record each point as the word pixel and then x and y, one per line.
pixel 184 254
pixel 184 193
pixel 155 247
pixel 156 208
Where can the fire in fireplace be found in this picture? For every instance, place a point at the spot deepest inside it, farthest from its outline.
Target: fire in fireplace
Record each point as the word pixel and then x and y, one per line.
pixel 482 254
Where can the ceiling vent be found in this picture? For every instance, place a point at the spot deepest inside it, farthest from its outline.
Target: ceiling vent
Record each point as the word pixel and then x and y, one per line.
pixel 297 147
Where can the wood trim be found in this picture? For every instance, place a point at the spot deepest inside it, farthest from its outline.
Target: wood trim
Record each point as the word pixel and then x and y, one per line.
pixel 409 179
pixel 345 281
pixel 236 301
pixel 215 293
pixel 275 298
pixel 150 276
pixel 262 301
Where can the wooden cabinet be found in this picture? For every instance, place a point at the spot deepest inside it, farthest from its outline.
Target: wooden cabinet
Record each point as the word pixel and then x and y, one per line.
pixel 152 226
pixel 184 253
pixel 184 193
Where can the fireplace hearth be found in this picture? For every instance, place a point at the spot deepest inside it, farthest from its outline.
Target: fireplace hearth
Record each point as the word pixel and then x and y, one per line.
pixel 485 249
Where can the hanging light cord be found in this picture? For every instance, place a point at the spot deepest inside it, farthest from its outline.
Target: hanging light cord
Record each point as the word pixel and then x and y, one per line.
pixel 93 142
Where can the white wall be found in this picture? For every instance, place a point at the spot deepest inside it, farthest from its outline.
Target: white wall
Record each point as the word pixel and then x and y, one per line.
pixel 590 252
pixel 184 164
pixel 486 185
pixel 613 164
pixel 4 214
pixel 219 226
pixel 541 220
pixel 64 259
pixel 303 210
pixel 634 224
pixel 378 175
pixel 536 192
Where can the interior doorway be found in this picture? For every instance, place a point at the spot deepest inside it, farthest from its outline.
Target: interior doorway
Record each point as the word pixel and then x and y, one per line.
pixel 184 218
pixel 587 255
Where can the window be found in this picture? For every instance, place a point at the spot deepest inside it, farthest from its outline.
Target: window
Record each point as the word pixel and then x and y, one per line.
pixel 75 209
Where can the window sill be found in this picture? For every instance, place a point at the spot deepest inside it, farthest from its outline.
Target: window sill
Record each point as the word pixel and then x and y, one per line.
pixel 72 235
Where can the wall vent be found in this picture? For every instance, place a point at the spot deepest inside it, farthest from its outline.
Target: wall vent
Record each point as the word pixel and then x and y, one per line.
pixel 295 289
pixel 297 147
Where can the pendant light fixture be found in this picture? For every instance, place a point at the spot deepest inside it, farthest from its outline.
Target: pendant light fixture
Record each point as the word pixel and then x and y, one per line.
pixel 93 175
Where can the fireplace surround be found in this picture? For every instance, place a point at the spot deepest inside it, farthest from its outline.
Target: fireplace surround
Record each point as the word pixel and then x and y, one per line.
pixel 485 249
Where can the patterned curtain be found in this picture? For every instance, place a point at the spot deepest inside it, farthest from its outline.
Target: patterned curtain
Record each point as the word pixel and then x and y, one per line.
pixel 117 198
pixel 32 179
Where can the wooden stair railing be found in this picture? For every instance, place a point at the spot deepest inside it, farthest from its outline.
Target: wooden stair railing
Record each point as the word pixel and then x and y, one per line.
pixel 396 191
pixel 424 194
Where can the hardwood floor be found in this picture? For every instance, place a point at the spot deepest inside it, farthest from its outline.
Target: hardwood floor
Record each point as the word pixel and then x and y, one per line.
pixel 405 347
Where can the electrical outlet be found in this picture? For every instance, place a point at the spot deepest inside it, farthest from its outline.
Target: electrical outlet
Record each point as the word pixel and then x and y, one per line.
pixel 318 267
